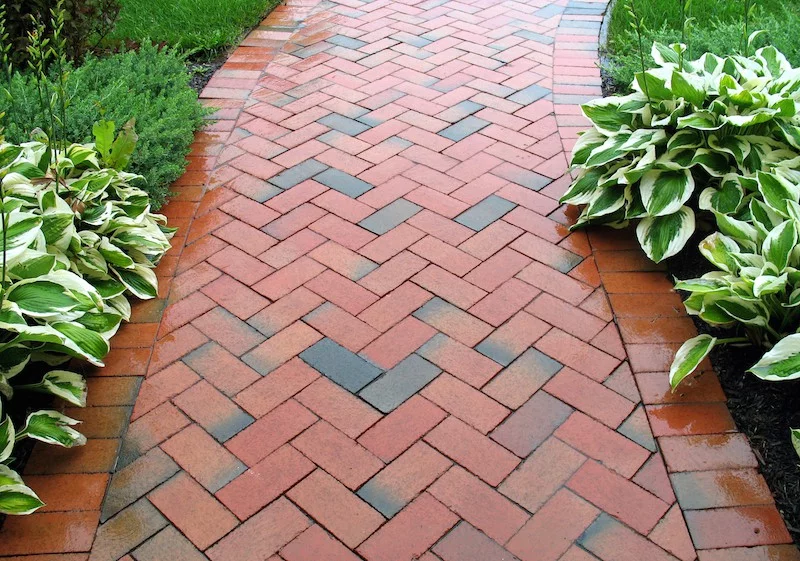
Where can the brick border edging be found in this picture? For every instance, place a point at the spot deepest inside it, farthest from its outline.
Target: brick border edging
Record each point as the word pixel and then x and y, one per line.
pixel 704 452
pixel 73 482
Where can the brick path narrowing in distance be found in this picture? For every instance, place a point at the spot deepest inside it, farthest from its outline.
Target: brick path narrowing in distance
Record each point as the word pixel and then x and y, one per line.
pixel 382 342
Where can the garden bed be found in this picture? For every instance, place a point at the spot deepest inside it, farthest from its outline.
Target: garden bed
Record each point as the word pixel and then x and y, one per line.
pixel 764 411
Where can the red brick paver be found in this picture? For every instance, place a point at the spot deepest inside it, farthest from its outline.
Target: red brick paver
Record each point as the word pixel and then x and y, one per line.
pixel 381 341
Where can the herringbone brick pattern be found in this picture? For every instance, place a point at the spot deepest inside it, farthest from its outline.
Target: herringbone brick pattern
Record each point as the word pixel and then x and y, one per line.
pixel 381 341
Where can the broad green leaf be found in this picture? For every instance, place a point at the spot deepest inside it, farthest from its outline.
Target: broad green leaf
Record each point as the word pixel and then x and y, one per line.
pixel 69 386
pixel 724 200
pixel 53 427
pixel 689 357
pixel 795 434
pixel 642 138
pixel 605 114
pixel 18 499
pixel 663 54
pixel 8 154
pixel 737 229
pixel 719 249
pixel 586 142
pixel 7 436
pixel 123 147
pixel 746 312
pixel 609 151
pixel 715 163
pixel 85 342
pixel 777 191
pixel 8 476
pixel 688 87
pixel 685 139
pixel 664 236
pixel 653 85
pixel 699 120
pixel 665 192
pixel 103 132
pixel 782 362
pixel 769 284
pixel 779 244
pixel 583 188
pixel 141 281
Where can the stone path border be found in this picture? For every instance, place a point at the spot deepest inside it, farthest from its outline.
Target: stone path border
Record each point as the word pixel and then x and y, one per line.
pixel 506 412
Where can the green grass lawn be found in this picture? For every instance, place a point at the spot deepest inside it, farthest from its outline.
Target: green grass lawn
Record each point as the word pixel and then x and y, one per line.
pixel 718 28
pixel 203 25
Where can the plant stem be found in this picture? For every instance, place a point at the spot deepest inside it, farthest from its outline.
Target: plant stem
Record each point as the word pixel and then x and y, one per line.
pixel 729 340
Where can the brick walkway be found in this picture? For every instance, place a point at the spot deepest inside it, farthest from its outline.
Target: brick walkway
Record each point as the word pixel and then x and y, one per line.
pixel 381 341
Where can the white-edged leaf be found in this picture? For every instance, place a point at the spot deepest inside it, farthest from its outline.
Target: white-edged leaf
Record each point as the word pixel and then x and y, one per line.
pixel 689 357
pixel 782 362
pixel 18 499
pixel 53 427
pixel 665 192
pixel 664 236
pixel 779 244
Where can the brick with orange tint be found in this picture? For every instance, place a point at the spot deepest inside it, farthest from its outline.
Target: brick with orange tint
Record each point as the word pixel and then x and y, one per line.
pixel 281 347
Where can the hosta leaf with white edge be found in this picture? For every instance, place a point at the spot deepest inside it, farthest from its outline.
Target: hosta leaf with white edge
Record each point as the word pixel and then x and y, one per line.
pixel 795 434
pixel 782 362
pixel 53 427
pixel 604 113
pixel 7 438
pixel 642 138
pixel 700 120
pixel 8 476
pixel 583 187
pixel 725 199
pixel 586 142
pixel 780 243
pixel 18 499
pixel 776 191
pixel 719 249
pixel 609 151
pixel 769 284
pixel 749 313
pixel 665 192
pixel 689 357
pixel 69 386
pixel 715 163
pixel 689 87
pixel 664 236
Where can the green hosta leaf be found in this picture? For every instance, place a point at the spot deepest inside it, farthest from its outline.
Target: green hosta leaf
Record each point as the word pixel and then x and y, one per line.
pixel 724 200
pixel 53 428
pixel 103 132
pixel 123 146
pixel 69 386
pixel 719 249
pixel 702 285
pixel 143 283
pixel 33 264
pixel 8 476
pixel 779 244
pixel 688 87
pixel 756 117
pixel 42 298
pixel 114 255
pixel 586 142
pixel 8 154
pixel 715 163
pixel 23 228
pixel 88 344
pixel 7 437
pixel 737 229
pixel 605 114
pixel 700 120
pixel 689 357
pixel 736 146
pixel 105 324
pixel 795 434
pixel 764 218
pixel 782 362
pixel 653 85
pixel 777 191
pixel 665 192
pixel 769 284
pixel 642 138
pixel 664 236
pixel 790 132
pixel 685 139
pixel 18 499
pixel 609 151
pixel 664 55
pixel 746 312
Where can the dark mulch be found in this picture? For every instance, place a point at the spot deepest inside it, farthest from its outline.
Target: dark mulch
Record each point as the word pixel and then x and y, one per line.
pixel 764 411
pixel 203 68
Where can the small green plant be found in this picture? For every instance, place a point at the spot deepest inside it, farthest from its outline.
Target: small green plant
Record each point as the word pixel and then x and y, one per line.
pixel 717 123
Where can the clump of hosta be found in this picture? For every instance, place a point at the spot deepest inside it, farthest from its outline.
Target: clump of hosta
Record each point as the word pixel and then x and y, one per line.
pixel 693 135
pixel 77 238
pixel 754 289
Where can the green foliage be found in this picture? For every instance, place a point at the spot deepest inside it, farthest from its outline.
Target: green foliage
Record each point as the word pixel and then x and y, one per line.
pixel 718 30
pixel 718 123
pixel 75 244
pixel 205 25
pixel 86 22
pixel 149 85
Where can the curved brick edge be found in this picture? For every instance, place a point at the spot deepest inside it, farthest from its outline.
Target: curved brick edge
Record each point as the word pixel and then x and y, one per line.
pixel 728 508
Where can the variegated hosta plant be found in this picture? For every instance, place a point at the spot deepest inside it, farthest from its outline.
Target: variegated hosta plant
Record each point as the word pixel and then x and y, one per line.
pixel 77 239
pixel 691 136
pixel 755 289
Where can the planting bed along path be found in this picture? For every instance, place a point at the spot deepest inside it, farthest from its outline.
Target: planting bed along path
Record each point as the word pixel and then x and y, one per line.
pixel 379 339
